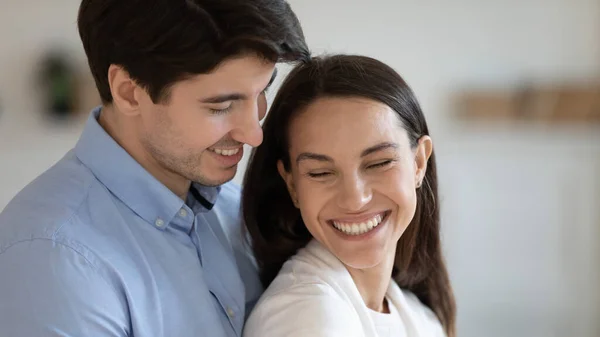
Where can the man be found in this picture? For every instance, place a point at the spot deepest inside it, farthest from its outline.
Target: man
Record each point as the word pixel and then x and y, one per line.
pixel 136 232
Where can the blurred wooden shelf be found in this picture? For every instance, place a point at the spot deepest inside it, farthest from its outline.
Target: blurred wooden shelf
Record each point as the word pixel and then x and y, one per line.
pixel 561 104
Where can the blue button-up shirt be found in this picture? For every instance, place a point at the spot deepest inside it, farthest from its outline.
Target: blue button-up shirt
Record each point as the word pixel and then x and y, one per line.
pixel 96 246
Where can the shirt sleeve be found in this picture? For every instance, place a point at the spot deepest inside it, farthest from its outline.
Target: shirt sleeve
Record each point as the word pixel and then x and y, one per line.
pixel 49 289
pixel 303 311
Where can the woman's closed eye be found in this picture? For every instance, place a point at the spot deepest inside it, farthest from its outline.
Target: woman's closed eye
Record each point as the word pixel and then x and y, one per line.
pixel 319 174
pixel 380 164
pixel 323 174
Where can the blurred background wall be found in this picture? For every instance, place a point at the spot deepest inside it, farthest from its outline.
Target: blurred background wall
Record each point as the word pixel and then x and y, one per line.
pixel 520 197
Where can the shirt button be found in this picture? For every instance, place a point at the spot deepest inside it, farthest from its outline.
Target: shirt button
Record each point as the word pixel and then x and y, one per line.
pixel 230 313
pixel 183 212
pixel 159 222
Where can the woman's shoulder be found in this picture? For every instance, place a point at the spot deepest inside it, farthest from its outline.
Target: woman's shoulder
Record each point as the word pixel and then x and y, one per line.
pixel 301 308
pixel 301 279
pixel 303 300
pixel 312 268
pixel 414 312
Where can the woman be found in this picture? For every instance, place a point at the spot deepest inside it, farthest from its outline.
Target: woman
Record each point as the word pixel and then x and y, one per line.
pixel 340 203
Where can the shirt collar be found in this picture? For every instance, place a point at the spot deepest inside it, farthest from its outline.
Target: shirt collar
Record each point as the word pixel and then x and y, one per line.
pixel 127 179
pixel 202 198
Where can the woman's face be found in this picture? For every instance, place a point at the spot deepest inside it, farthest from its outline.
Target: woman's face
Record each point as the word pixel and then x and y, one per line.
pixel 354 177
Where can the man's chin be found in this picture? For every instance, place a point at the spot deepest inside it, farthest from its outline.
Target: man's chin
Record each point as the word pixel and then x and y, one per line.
pixel 216 179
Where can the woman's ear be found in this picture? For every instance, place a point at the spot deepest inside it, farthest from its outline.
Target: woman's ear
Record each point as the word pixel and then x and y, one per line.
pixel 289 182
pixel 422 154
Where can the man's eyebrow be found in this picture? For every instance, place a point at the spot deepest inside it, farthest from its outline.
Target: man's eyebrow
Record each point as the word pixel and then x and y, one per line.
pixel 224 98
pixel 234 96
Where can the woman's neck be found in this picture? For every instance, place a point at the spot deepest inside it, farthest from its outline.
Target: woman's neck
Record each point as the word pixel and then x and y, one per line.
pixel 373 282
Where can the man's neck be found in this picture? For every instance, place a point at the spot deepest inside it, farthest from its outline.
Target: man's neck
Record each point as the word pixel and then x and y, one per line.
pixel 124 132
pixel 373 283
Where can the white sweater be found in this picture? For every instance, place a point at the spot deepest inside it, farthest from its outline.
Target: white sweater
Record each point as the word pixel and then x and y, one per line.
pixel 314 296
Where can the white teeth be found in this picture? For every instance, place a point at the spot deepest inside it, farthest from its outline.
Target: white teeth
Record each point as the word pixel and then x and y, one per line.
pixel 371 224
pixel 226 152
pixel 358 228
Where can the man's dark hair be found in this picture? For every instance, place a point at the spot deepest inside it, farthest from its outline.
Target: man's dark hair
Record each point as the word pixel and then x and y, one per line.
pixel 160 42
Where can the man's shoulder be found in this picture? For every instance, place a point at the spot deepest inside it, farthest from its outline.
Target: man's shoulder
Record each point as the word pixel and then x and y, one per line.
pixel 47 203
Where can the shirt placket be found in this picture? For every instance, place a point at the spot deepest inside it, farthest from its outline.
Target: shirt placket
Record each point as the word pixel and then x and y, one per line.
pixel 221 274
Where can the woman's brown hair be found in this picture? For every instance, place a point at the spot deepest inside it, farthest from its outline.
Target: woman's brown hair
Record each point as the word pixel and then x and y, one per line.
pixel 275 227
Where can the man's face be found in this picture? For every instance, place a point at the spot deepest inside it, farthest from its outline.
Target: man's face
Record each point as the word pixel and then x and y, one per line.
pixel 199 132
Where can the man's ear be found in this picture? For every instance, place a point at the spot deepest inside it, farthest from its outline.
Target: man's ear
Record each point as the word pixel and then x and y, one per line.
pixel 289 182
pixel 422 154
pixel 124 90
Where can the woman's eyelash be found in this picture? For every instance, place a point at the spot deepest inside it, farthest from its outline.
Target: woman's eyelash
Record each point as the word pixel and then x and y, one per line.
pixel 381 164
pixel 372 166
pixel 318 174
